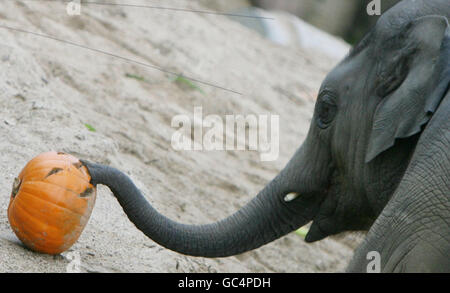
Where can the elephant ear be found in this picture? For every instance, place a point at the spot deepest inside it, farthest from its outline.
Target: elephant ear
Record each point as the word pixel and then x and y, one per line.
pixel 412 82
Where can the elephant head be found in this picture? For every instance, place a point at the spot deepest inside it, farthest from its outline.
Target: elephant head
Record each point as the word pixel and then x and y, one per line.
pixel 369 114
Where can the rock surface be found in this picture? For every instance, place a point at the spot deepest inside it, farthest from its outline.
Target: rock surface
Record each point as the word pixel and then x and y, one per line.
pixel 50 90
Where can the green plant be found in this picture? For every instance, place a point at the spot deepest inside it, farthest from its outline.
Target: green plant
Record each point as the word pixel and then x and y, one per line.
pixel 302 231
pixel 90 127
pixel 183 81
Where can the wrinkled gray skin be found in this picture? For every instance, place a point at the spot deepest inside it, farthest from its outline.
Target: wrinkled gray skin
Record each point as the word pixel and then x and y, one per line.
pixel 377 156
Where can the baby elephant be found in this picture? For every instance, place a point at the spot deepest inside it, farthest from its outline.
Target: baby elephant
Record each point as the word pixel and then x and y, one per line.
pixel 376 157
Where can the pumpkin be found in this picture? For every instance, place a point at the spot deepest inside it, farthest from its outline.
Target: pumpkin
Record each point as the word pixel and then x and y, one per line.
pixel 51 202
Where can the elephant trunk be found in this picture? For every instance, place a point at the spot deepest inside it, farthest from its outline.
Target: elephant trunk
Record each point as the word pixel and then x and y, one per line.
pixel 264 219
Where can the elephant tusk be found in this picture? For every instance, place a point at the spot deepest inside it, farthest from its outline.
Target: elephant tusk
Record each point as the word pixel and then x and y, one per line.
pixel 291 196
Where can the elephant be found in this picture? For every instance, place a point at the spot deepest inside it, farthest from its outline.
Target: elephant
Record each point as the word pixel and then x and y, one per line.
pixel 376 158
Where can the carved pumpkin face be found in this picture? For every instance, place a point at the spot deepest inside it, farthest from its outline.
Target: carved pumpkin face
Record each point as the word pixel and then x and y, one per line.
pixel 51 202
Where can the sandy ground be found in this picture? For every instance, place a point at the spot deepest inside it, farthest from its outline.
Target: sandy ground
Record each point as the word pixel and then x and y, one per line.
pixel 49 91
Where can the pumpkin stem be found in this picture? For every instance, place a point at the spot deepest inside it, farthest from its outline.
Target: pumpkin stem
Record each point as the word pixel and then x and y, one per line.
pixel 16 186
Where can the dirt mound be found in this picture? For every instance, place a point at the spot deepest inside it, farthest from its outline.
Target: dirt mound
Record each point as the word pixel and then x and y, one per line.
pixel 58 96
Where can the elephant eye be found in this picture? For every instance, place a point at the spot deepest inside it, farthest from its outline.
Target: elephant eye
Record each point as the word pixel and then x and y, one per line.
pixel 326 110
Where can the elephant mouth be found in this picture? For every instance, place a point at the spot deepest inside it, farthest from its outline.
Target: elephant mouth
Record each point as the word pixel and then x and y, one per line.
pixel 307 207
pixel 324 221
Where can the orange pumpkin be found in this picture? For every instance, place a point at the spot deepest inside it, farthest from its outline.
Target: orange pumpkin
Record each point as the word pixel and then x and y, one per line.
pixel 51 202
